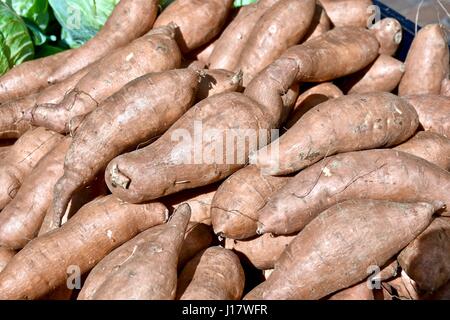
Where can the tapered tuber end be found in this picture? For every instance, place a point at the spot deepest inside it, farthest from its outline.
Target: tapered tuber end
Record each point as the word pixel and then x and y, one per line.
pixel 398 37
pixel 260 229
pixel 438 205
pixel 62 194
pixel 118 179
pixel 237 78
pixel 181 215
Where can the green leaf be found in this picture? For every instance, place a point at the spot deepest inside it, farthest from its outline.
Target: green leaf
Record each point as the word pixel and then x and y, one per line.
pixel 16 36
pixel 81 19
pixel 241 3
pixel 37 35
pixel 47 50
pixel 165 3
pixel 33 10
pixel 4 56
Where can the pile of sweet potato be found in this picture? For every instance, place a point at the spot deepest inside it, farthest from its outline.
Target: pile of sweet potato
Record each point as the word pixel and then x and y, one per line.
pixel 278 151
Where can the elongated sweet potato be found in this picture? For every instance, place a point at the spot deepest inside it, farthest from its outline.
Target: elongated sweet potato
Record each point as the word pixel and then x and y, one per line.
pixel 320 24
pixel 234 209
pixel 321 259
pixel 389 33
pixel 281 27
pixel 140 111
pixel 433 111
pixel 184 157
pixel 218 81
pixel 154 52
pixel 230 44
pixel 218 275
pixel 311 98
pixel 198 237
pixel 426 260
pixel 427 62
pixel 348 13
pixel 129 20
pixel 383 75
pixel 23 156
pixel 366 121
pixel 5 256
pixel 263 251
pixel 373 174
pixel 3 151
pixel 430 146
pixel 21 219
pixel 203 53
pixel 144 268
pixel 82 242
pixel 360 291
pixel 199 21
pixel 445 88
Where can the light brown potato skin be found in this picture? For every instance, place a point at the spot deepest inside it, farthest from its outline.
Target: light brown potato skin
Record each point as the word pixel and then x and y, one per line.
pixel 433 111
pixel 427 63
pixel 401 288
pixel 389 33
pixel 358 292
pixel 21 219
pixel 83 241
pixel 442 294
pixel 217 276
pixel 218 81
pixel 144 268
pixel 263 251
pixel 373 174
pixel 21 159
pixel 348 13
pixel 129 20
pixel 198 237
pixel 3 151
pixel 320 24
pixel 5 256
pixel 426 260
pixel 231 42
pixel 175 167
pixel 154 52
pixel 383 75
pixel 142 110
pixel 348 123
pixel 202 54
pixel 281 27
pixel 234 209
pixel 445 88
pixel 321 259
pixel 430 146
pixel 199 21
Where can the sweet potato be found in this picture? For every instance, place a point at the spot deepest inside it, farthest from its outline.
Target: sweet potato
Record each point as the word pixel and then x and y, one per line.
pixel 321 259
pixel 389 33
pixel 231 42
pixel 442 294
pixel 198 237
pixel 21 219
pixel 401 288
pixel 426 260
pixel 311 98
pixel 237 201
pixel 366 121
pixel 144 268
pixel 281 27
pixel 4 151
pixel 427 62
pixel 445 88
pixel 5 256
pixel 202 54
pixel 383 75
pixel 154 52
pixel 179 163
pixel 320 24
pixel 23 156
pixel 433 111
pixel 348 13
pixel 199 21
pixel 218 81
pixel 358 292
pixel 140 111
pixel 374 174
pixel 218 275
pixel 429 146
pixel 129 20
pixel 263 251
pixel 83 241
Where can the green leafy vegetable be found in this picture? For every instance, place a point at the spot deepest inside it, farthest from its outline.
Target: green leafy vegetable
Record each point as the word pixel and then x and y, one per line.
pixel 4 56
pixel 33 10
pixel 81 19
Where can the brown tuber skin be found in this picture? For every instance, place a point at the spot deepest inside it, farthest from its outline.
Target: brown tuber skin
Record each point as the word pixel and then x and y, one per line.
pixel 263 251
pixel 144 268
pixel 234 209
pixel 389 34
pixel 445 88
pixel 5 256
pixel 21 159
pixel 348 123
pixel 321 259
pixel 429 146
pixel 218 81
pixel 142 110
pixel 83 241
pixel 426 260
pixel 199 21
pixel 320 24
pixel 359 292
pixel 218 275
pixel 373 174
pixel 427 62
pixel 21 219
pixel 348 13
pixel 154 52
pixel 198 237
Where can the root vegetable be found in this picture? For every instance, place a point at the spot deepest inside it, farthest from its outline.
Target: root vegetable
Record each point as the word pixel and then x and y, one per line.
pixel 389 33
pixel 198 237
pixel 445 88
pixel 359 292
pixel 348 13
pixel 5 256
pixel 320 24
pixel 218 81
